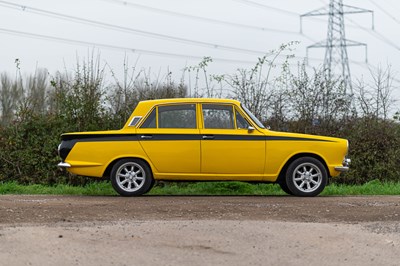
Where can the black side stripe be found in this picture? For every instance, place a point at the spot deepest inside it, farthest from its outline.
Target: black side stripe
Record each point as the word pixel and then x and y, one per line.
pixel 69 141
pixel 134 137
pixel 238 137
pixel 295 139
pixel 156 137
pixel 100 137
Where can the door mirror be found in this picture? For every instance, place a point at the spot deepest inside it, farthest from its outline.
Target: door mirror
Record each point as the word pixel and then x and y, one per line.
pixel 250 129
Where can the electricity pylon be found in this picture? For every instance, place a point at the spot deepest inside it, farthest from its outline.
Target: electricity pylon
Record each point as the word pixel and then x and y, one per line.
pixel 336 60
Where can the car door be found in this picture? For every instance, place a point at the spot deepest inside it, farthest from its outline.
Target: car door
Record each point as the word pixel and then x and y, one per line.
pixel 170 138
pixel 230 145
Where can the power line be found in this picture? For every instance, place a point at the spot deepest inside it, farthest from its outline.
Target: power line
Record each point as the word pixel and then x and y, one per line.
pixel 385 11
pixel 207 20
pixel 124 29
pixel 114 47
pixel 392 6
pixel 376 34
pixel 121 48
pixel 130 49
pixel 280 10
pixel 203 19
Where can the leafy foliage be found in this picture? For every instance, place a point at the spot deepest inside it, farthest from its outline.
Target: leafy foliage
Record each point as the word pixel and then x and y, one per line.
pixel 31 129
pixel 35 110
pixel 375 150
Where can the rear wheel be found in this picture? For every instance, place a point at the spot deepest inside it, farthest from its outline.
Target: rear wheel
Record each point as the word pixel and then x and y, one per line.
pixel 306 176
pixel 131 177
pixel 151 186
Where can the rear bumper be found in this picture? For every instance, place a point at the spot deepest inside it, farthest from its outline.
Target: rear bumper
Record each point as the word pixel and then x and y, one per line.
pixel 64 165
pixel 345 167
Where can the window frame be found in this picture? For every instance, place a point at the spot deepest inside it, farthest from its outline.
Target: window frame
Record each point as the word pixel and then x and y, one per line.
pixel 157 116
pixel 219 104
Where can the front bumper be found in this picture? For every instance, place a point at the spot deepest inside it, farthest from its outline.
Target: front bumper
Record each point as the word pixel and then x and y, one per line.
pixel 345 167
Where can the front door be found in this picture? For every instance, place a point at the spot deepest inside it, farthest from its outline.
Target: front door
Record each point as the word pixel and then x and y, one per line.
pixel 228 147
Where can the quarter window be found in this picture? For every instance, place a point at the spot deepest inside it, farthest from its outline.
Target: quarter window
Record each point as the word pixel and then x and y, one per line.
pixel 218 116
pixel 241 123
pixel 134 121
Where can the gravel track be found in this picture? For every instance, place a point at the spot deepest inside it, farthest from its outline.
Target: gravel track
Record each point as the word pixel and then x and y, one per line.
pixel 166 230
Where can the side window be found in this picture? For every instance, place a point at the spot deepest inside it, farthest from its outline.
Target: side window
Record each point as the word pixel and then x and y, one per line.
pixel 177 116
pixel 218 116
pixel 241 123
pixel 135 120
pixel 150 121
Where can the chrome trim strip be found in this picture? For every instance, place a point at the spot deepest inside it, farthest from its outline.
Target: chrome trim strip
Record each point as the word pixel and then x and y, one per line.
pixel 342 168
pixel 64 165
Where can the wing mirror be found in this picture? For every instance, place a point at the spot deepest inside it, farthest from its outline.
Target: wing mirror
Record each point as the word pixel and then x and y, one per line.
pixel 250 129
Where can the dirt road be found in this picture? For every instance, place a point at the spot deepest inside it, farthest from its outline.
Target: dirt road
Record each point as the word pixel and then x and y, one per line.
pixel 153 230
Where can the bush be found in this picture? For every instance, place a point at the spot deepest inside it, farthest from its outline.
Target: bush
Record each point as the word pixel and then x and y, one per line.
pixel 30 133
pixel 28 150
pixel 35 114
pixel 374 150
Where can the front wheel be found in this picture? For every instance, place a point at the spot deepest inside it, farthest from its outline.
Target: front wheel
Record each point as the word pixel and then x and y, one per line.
pixel 306 176
pixel 284 187
pixel 131 177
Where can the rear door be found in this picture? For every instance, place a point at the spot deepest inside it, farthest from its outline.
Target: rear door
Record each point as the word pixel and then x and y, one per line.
pixel 170 138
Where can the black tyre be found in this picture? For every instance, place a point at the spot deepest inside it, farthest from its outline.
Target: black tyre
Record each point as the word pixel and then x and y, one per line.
pixel 284 187
pixel 131 177
pixel 306 177
pixel 151 186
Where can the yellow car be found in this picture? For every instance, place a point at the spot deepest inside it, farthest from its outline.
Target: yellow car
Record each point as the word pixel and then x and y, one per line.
pixel 202 139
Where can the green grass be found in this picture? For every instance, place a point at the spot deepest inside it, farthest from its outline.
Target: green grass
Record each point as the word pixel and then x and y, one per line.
pixel 93 189
pixel 201 188
pixel 374 187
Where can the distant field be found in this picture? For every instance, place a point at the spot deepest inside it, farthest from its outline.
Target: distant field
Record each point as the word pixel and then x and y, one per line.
pixel 201 188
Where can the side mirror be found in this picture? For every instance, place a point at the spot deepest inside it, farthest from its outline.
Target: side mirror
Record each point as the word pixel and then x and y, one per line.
pixel 250 129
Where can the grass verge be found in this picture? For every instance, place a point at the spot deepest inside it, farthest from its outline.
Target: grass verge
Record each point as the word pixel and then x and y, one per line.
pixel 374 187
pixel 92 189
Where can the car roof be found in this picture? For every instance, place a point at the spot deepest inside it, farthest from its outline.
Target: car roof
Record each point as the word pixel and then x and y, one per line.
pixel 190 100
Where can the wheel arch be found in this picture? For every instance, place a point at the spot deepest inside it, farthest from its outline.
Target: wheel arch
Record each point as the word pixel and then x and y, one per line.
pixel 297 156
pixel 107 172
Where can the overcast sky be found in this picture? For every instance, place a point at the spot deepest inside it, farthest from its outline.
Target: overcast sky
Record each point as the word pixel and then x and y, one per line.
pixel 176 33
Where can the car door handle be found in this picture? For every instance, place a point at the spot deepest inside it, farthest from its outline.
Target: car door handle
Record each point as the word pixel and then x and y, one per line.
pixel 146 136
pixel 208 137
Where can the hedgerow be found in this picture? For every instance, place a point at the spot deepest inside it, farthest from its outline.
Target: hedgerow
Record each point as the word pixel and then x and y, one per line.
pixel 36 110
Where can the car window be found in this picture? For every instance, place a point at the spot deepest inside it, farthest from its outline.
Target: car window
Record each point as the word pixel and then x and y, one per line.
pixel 241 123
pixel 177 116
pixel 134 121
pixel 218 116
pixel 150 120
pixel 252 117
